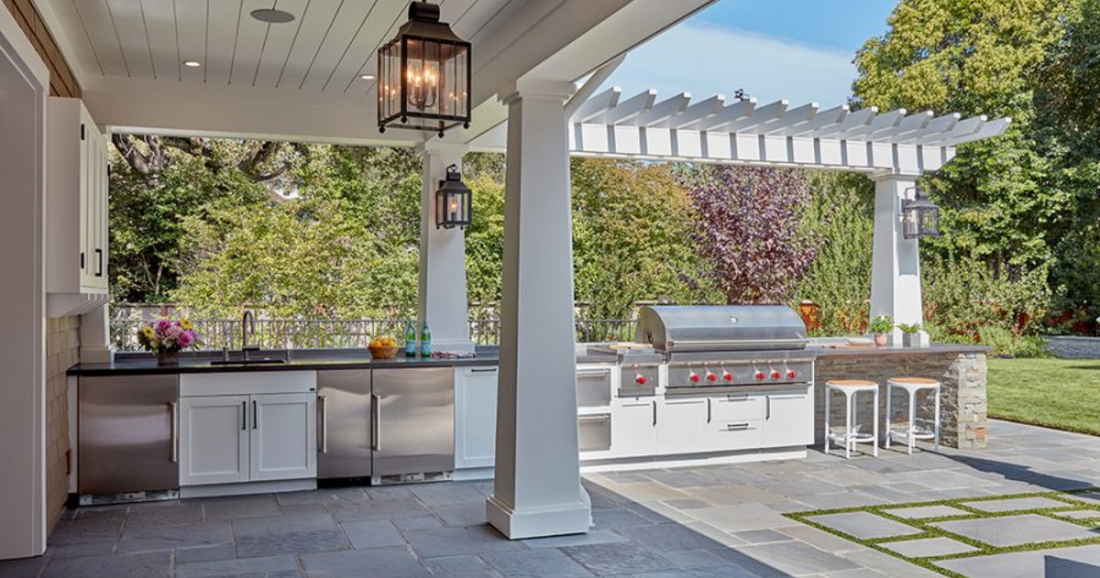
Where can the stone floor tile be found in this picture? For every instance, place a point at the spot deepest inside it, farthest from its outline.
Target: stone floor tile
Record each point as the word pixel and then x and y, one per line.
pixel 1089 497
pixel 841 500
pixel 688 559
pixel 23 567
pixel 260 527
pixel 732 494
pixel 1015 530
pixel 470 514
pixel 205 553
pixel 422 522
pixel 741 517
pixel 451 565
pixel 291 542
pixel 649 492
pixel 380 509
pixel 1016 504
pixel 819 538
pixel 724 571
pixel 592 537
pixel 164 514
pixel 681 478
pixel 624 558
pixel 143 565
pixel 390 562
pixel 668 538
pixel 542 563
pixel 857 573
pixel 617 518
pixel 689 504
pixel 888 564
pixel 389 493
pixel 864 525
pixel 786 559
pixel 236 507
pixel 761 536
pixel 1079 514
pixel 373 534
pixel 143 539
pixel 274 567
pixel 452 541
pixel 82 549
pixel 448 493
pixel 923 512
pixel 79 532
pixel 928 547
pixel 1078 562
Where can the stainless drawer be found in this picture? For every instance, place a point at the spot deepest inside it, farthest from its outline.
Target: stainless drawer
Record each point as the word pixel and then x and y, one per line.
pixel 593 386
pixel 594 432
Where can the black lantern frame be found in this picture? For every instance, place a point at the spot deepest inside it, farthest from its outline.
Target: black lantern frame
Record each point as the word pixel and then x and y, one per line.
pixel 453 201
pixel 424 75
pixel 920 216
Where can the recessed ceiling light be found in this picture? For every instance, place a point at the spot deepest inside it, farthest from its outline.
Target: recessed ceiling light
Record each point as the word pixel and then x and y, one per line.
pixel 367 77
pixel 192 63
pixel 272 16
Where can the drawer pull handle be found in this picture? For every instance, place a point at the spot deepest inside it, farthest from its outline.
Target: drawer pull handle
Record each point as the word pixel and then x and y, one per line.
pixel 737 426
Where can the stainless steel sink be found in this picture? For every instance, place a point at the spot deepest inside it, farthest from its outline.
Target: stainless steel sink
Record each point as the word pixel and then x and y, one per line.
pixel 252 361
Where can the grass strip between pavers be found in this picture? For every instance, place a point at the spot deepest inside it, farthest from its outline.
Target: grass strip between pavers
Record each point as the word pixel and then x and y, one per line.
pixel 982 549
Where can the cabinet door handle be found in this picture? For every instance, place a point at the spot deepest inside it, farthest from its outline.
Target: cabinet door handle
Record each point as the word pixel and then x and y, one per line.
pixel 484 370
pixel 768 407
pixel 82 260
pixel 255 416
pixel 708 410
pixel 322 405
pixel 244 415
pixel 174 411
pixel 654 414
pixel 376 423
pixel 99 262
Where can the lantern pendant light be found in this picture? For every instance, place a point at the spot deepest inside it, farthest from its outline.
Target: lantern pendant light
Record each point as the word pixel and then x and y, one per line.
pixel 920 216
pixel 452 201
pixel 424 75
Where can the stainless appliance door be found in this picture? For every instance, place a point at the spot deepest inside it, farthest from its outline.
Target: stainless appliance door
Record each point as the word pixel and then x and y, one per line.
pixel 344 423
pixel 414 431
pixel 128 434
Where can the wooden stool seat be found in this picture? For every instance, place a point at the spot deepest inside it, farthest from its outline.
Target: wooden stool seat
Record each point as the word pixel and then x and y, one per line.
pixel 851 383
pixel 914 381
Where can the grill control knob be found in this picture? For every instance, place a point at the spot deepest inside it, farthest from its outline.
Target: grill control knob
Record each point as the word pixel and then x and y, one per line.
pixel 759 376
pixel 639 379
pixel 791 374
pixel 727 376
pixel 711 377
pixel 776 375
pixel 694 377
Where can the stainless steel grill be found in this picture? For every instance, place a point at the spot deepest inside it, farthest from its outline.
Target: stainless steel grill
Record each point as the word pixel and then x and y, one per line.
pixel 713 347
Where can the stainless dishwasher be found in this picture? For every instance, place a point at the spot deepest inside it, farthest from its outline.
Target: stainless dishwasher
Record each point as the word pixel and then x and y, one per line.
pixel 413 424
pixel 127 438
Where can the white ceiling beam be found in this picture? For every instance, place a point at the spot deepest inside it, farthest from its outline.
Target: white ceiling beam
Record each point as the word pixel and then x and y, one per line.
pixel 739 110
pixel 663 110
pixel 823 119
pixel 696 112
pixel 630 109
pixel 597 105
pixel 792 119
pixel 760 116
pixel 859 118
pixel 936 128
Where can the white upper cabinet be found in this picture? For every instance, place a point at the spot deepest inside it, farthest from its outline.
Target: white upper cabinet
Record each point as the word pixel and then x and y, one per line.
pixel 76 209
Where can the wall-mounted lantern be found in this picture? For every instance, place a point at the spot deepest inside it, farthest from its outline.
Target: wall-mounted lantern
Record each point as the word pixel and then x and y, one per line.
pixel 452 201
pixel 920 217
pixel 424 75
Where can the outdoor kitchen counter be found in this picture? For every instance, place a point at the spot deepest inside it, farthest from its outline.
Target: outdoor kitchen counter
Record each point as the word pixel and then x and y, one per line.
pixel 890 351
pixel 128 364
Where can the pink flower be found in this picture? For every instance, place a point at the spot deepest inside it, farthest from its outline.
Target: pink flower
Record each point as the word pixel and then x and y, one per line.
pixel 186 339
pixel 161 326
pixel 173 332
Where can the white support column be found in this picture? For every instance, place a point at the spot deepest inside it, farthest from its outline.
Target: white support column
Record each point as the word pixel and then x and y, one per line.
pixel 442 293
pixel 895 268
pixel 538 490
pixel 95 336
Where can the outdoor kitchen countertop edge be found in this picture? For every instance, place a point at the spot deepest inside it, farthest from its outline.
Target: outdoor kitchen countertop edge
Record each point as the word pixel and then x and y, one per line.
pixel 934 349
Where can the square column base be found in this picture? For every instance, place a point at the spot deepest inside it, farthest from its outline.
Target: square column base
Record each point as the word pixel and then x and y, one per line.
pixel 538 523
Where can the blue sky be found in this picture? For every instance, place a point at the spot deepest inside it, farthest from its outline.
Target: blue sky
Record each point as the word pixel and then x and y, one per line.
pixel 800 50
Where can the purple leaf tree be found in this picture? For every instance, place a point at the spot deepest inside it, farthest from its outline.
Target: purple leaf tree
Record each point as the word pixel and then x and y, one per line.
pixel 748 229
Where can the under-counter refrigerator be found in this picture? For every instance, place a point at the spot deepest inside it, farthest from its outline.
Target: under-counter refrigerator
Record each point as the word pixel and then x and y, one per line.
pixel 345 424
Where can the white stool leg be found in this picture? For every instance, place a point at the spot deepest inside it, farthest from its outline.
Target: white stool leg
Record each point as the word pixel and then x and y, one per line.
pixel 848 426
pixel 828 418
pixel 874 415
pixel 912 420
pixel 889 427
pixel 936 418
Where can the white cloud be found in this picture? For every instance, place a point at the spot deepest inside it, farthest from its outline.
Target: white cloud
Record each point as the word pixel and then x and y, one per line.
pixel 706 59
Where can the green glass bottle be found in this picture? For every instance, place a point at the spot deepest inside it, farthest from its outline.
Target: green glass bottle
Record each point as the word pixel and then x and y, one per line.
pixel 425 341
pixel 410 339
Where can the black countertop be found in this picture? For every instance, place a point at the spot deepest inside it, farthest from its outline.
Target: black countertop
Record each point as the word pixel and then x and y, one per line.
pixel 826 352
pixel 305 360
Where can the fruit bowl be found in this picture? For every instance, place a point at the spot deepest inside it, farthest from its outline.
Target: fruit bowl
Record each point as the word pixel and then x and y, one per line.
pixel 383 352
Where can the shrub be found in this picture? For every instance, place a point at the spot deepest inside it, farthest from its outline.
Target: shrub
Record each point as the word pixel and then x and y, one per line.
pixel 1005 343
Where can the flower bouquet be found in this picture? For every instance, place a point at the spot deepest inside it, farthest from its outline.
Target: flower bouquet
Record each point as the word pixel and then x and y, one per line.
pixel 168 337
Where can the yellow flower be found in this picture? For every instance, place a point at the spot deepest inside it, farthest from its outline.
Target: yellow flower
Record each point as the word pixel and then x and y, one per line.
pixel 185 323
pixel 147 331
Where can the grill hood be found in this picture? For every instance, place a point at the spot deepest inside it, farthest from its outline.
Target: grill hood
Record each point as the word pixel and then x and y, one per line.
pixel 721 328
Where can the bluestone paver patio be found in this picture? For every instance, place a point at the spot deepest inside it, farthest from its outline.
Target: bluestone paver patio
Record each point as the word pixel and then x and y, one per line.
pixel 716 521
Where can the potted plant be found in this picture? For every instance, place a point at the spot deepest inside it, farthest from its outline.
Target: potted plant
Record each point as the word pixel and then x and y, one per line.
pixel 167 338
pixel 910 334
pixel 881 326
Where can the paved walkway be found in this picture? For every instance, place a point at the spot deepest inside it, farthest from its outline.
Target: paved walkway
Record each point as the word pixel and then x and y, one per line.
pixel 713 522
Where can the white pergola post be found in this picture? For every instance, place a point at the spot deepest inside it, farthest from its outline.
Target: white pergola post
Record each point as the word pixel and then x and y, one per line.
pixel 895 266
pixel 442 291
pixel 537 490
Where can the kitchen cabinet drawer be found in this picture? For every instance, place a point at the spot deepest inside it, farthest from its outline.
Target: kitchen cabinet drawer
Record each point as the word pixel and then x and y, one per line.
pixel 593 386
pixel 247 383
pixel 730 435
pixel 594 432
pixel 734 407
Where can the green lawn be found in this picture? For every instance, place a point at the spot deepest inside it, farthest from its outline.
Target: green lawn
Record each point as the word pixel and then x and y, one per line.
pixel 1057 393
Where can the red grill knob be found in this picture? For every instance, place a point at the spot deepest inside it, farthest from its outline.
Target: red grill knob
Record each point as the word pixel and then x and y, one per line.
pixel 711 377
pixel 694 377
pixel 727 376
pixel 791 374
pixel 759 376
pixel 640 379
pixel 776 375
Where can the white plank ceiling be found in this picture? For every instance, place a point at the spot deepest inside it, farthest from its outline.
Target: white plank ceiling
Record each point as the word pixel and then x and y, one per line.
pixel 327 47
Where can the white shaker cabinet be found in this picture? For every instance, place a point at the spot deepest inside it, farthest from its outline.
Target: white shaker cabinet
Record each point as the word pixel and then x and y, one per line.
pixel 76 209
pixel 284 436
pixel 634 426
pixel 475 417
pixel 214 440
pixel 788 419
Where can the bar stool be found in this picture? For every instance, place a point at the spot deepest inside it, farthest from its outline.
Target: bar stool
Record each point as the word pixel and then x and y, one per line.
pixel 912 385
pixel 851 387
